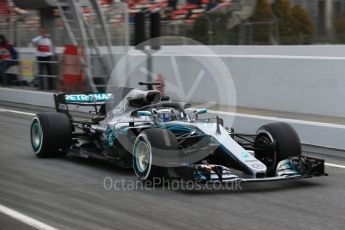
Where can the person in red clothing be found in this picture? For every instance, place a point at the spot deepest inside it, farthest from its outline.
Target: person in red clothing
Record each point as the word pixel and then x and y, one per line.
pixel 8 56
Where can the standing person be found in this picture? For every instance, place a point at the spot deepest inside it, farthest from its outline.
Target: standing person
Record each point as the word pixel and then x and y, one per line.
pixel 8 57
pixel 44 55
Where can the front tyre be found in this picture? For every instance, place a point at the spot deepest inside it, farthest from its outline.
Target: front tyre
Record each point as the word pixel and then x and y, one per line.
pixel 142 159
pixel 149 146
pixel 286 141
pixel 51 134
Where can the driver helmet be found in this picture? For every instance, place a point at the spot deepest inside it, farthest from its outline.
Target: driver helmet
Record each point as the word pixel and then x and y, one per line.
pixel 164 115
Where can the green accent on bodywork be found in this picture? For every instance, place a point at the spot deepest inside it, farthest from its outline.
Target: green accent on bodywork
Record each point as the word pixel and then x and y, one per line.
pixel 123 131
pixel 177 128
pixel 96 97
pixel 110 136
pixel 245 154
pixel 201 111
pixel 144 113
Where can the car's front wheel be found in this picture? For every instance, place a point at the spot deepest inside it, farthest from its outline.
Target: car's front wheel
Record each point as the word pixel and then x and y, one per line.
pixel 149 151
pixel 286 144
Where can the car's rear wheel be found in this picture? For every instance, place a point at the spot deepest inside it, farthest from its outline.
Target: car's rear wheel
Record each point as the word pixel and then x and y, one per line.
pixel 51 134
pixel 286 141
pixel 150 145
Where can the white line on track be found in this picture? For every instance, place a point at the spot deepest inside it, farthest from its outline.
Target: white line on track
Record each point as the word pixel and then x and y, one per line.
pixel 239 115
pixel 18 112
pixel 335 165
pixel 25 219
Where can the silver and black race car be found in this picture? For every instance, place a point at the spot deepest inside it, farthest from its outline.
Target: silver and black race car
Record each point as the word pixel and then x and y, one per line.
pixel 143 130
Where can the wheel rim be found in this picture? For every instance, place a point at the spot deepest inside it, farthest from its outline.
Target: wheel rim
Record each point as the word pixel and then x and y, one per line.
pixel 36 135
pixel 266 157
pixel 142 155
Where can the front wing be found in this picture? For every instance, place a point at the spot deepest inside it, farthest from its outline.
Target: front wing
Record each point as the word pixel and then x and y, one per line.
pixel 292 168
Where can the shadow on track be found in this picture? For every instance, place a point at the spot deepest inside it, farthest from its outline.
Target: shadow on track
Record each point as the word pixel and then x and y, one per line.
pixel 100 165
pixel 259 187
pixel 92 163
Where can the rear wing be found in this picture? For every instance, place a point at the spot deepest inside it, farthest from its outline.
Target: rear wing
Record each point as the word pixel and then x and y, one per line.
pixel 62 100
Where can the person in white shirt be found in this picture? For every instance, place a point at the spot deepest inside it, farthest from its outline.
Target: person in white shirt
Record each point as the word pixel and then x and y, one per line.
pixel 44 55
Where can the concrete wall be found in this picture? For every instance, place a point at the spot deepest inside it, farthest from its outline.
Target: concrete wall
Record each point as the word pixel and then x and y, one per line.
pixel 301 85
pixel 292 83
pixel 300 79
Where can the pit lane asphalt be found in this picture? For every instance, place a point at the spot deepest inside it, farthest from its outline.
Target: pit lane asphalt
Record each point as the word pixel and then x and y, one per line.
pixel 69 194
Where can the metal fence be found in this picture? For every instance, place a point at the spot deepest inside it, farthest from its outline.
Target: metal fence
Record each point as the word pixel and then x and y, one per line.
pixel 24 35
pixel 24 72
pixel 247 33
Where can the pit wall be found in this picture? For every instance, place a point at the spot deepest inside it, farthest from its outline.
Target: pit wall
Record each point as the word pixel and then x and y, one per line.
pixel 299 79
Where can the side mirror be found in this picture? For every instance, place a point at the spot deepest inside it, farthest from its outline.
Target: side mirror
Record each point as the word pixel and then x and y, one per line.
pixel 201 111
pixel 197 112
pixel 144 113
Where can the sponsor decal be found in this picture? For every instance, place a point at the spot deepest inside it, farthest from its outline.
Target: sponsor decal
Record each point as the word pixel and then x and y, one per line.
pixel 97 97
pixel 108 137
pixel 27 68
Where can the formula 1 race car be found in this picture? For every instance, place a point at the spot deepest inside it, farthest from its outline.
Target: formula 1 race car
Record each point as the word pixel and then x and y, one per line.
pixel 143 130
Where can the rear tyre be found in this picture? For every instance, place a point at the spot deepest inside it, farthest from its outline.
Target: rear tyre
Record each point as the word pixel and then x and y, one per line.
pixel 286 140
pixel 51 134
pixel 150 145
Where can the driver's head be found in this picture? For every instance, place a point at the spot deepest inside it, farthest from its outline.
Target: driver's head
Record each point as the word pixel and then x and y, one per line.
pixel 165 117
